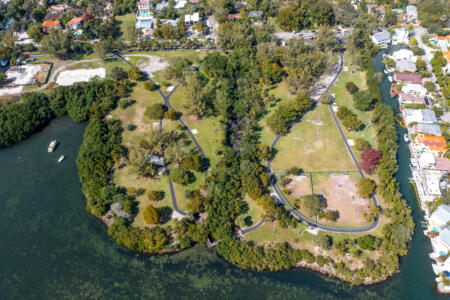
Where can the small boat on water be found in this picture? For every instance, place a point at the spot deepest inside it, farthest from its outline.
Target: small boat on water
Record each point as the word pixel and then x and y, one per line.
pixel 52 146
pixel 61 158
pixel 385 71
pixel 406 137
pixel 390 78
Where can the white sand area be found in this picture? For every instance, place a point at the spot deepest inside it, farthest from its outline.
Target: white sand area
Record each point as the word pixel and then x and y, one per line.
pixel 80 75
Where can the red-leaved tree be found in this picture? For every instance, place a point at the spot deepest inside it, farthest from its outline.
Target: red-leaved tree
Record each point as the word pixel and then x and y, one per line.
pixel 369 159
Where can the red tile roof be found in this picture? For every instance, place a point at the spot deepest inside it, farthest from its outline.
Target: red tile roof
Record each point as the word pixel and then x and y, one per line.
pixel 234 17
pixel 409 77
pixel 48 24
pixel 442 164
pixel 412 98
pixel 75 20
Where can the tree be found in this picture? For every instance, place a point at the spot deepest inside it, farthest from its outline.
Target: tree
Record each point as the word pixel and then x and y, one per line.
pixel 430 86
pixel 58 43
pixel 177 68
pixel 292 18
pixel 369 159
pixel 325 38
pixel 35 32
pixel 321 12
pixel 363 100
pixel 413 41
pixel 155 111
pixel 349 119
pixel 325 98
pixel 326 242
pixel 193 162
pixel 154 195
pixel 2 78
pixel 366 187
pixel 171 114
pixel 418 51
pixel 151 215
pixel 361 144
pixel 38 14
pixel 150 86
pixel 351 87
pixel 135 74
pixel 421 65
pixel 118 74
pixel 310 204
pixel 181 176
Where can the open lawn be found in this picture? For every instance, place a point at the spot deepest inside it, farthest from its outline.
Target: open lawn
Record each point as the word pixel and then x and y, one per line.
pixel 343 98
pixel 281 93
pixel 194 55
pixel 272 232
pixel 126 21
pixel 252 216
pixel 208 130
pixel 111 63
pixel 314 144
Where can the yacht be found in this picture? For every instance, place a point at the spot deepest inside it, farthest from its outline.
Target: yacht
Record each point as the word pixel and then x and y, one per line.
pixel 52 146
pixel 390 78
pixel 61 158
pixel 406 137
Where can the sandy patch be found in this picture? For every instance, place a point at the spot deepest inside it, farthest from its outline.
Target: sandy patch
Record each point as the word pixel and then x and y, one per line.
pixel 340 193
pixel 170 88
pixel 300 186
pixel 21 75
pixel 66 78
pixel 11 91
pixel 194 131
pixel 316 122
pixel 153 65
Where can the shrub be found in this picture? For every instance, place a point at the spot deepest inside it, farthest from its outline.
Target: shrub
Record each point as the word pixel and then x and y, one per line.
pixel 362 100
pixel 135 74
pixel 151 215
pixel 181 176
pixel 150 86
pixel 366 187
pixel 349 119
pixel 325 98
pixel 171 114
pixel 369 159
pixel 155 111
pixel 351 87
pixel 193 162
pixel 118 74
pixel 361 144
pixel 154 195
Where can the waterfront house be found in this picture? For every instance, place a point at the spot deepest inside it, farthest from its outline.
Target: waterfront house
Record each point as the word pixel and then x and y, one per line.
pixel 426 160
pixel 442 164
pixel 431 180
pixel 403 54
pixel 432 143
pixel 406 66
pixel 414 89
pixel 144 18
pixel 75 23
pixel 381 38
pixel 410 99
pixel 159 6
pixel 47 25
pixel 413 78
pixel 428 129
pixel 426 116
pixel 440 217
pixel 180 4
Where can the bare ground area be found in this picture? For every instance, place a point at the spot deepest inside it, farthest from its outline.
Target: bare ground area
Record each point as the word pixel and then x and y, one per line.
pixel 152 65
pixel 340 193
pixel 300 186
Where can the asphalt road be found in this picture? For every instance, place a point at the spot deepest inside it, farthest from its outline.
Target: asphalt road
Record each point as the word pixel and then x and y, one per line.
pixel 296 213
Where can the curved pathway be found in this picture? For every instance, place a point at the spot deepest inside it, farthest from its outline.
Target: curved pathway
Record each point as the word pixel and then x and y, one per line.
pixel 295 212
pixel 166 99
pixel 244 231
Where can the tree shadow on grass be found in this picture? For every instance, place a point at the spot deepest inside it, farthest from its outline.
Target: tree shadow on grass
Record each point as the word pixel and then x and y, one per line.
pixel 166 214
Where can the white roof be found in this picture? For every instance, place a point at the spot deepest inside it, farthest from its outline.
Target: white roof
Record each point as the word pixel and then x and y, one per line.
pixel 180 4
pixel 411 9
pixel 406 65
pixel 195 17
pixel 403 54
pixel 427 158
pixel 415 89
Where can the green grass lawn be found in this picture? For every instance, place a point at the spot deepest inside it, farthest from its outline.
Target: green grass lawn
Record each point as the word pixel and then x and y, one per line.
pixel 314 144
pixel 253 214
pixel 272 232
pixel 209 131
pixel 126 21
pixel 193 55
pixel 281 92
pixel 111 63
pixel 87 65
pixel 343 98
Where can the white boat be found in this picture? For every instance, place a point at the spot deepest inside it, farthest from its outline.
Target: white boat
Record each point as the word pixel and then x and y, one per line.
pixel 52 146
pixel 385 71
pixel 406 137
pixel 390 78
pixel 435 269
pixel 61 158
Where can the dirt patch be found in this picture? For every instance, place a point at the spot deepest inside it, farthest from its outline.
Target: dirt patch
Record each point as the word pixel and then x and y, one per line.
pixel 299 186
pixel 340 193
pixel 66 78
pixel 152 65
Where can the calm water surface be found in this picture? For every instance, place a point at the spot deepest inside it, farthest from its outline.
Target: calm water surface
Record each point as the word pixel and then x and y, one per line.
pixel 51 248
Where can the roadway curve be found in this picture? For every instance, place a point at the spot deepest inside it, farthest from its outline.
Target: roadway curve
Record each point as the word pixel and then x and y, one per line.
pixel 296 213
pixel 244 231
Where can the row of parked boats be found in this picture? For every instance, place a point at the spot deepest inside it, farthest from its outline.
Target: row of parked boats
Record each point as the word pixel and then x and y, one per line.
pixel 52 147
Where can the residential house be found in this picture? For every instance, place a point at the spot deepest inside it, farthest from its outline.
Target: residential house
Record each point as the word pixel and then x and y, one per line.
pixel 442 42
pixel 410 99
pixel 234 17
pixel 47 25
pixel 432 143
pixel 144 18
pixel 415 89
pixel 428 129
pixel 442 164
pixel 404 54
pixel 211 23
pixel 411 13
pixel 426 116
pixel 180 4
pixel 426 160
pixel 381 38
pixel 406 66
pixel 159 6
pixel 156 160
pixel 413 78
pixel 431 180
pixel 192 19
pixel 440 217
pixel 75 23
pixel 58 8
pixel 400 36
pixel 255 14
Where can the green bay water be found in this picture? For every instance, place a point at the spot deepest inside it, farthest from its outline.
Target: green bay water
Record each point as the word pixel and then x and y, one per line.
pixel 52 248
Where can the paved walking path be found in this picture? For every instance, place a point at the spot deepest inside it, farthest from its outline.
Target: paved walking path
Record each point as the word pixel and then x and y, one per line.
pixel 295 212
pixel 244 231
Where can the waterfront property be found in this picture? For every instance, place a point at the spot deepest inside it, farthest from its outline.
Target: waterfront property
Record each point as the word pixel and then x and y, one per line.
pixel 381 38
